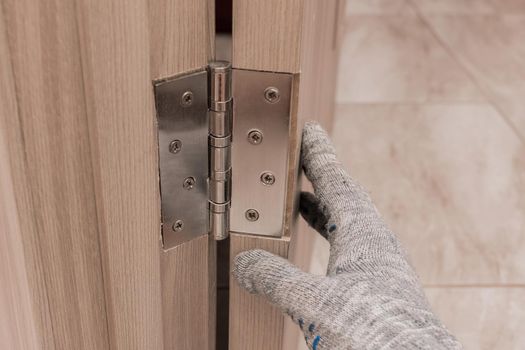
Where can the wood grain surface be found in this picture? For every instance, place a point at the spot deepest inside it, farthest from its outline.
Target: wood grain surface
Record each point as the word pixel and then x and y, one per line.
pixel 300 37
pixel 321 39
pixel 83 266
pixel 254 324
pixel 182 35
pixel 267 35
pixel 52 173
pixel 116 71
pixel 79 153
pixel 19 329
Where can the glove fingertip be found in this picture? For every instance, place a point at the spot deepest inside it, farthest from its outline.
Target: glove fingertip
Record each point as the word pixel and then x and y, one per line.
pixel 313 133
pixel 312 128
pixel 243 267
pixel 245 259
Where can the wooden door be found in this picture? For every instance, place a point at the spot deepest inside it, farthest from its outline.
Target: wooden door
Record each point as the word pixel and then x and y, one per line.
pixel 298 37
pixel 81 262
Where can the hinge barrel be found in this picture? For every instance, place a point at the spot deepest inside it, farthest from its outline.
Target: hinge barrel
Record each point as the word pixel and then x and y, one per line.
pixel 219 141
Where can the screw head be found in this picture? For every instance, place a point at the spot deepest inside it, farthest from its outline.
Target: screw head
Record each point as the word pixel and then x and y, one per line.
pixel 267 178
pixel 178 226
pixel 188 183
pixel 187 99
pixel 272 94
pixel 175 146
pixel 251 215
pixel 255 137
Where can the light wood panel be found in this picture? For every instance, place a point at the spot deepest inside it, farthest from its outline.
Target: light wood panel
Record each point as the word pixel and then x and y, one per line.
pixel 168 291
pixel 51 170
pixel 18 327
pixel 116 67
pixel 189 295
pixel 17 324
pixel 254 324
pixel 300 37
pixel 321 39
pixel 82 241
pixel 182 35
pixel 267 34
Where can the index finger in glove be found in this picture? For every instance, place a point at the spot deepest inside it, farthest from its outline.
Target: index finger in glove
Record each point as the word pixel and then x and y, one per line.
pixel 335 189
pixel 282 283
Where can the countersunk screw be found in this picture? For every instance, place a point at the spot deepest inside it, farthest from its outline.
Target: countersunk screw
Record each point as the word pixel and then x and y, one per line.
pixel 251 215
pixel 267 178
pixel 188 183
pixel 178 226
pixel 255 137
pixel 186 99
pixel 272 95
pixel 175 146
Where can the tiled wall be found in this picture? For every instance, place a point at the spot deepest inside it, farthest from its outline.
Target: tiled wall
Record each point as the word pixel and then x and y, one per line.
pixel 431 119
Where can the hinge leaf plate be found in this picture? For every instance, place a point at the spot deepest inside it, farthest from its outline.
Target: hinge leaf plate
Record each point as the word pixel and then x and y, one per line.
pixel 182 105
pixel 255 110
pixel 215 178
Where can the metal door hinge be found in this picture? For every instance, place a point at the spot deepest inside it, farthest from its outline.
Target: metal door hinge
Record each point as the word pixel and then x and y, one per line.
pixel 223 152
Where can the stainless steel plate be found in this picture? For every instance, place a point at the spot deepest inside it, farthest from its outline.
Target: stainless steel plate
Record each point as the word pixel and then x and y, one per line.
pixel 256 107
pixel 182 105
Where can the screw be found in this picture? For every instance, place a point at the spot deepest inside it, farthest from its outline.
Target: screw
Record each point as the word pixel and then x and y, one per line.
pixel 268 178
pixel 188 183
pixel 175 146
pixel 255 137
pixel 251 215
pixel 186 99
pixel 178 226
pixel 272 95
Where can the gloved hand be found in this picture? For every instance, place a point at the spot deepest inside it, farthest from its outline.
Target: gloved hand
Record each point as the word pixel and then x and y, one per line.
pixel 371 297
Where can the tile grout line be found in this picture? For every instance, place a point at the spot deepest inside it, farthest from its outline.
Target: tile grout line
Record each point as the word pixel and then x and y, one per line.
pixel 467 71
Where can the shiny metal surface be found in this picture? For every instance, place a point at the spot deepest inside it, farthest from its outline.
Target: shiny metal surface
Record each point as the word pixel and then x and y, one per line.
pixel 221 122
pixel 251 215
pixel 182 105
pixel 267 178
pixel 220 81
pixel 252 111
pixel 272 94
pixel 219 141
pixel 255 137
pixel 219 220
pixel 175 146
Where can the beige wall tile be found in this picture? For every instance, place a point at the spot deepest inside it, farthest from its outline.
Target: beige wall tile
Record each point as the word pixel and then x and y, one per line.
pixel 482 318
pixel 508 6
pixel 397 59
pixel 492 48
pixel 455 6
pixel 449 179
pixel 470 7
pixel 378 7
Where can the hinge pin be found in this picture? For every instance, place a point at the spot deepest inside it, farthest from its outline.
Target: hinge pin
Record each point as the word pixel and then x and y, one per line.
pixel 219 140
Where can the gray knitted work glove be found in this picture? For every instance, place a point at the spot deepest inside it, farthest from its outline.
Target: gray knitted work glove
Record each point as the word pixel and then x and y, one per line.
pixel 371 297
